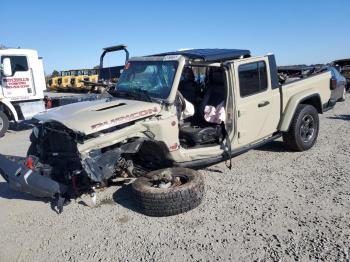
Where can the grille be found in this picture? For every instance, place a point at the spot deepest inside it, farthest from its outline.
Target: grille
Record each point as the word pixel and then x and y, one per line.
pixel 59 149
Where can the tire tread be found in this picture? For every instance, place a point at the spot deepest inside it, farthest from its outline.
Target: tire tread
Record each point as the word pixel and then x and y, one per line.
pixel 170 202
pixel 290 138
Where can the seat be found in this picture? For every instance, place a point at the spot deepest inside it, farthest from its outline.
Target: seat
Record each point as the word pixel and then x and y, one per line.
pixel 187 86
pixel 198 131
pixel 193 135
pixel 216 91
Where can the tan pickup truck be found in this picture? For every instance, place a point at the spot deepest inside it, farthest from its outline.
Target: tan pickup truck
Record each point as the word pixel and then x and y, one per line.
pixel 238 104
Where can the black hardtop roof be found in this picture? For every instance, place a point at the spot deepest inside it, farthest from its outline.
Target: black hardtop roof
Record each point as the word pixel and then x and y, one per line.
pixel 210 55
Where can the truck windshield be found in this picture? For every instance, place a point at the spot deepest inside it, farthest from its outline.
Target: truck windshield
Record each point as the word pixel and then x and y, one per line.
pixel 153 78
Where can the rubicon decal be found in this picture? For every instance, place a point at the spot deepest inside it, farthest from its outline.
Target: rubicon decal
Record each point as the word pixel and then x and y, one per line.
pixel 125 118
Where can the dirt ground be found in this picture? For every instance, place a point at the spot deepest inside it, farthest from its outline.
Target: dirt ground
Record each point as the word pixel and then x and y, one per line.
pixel 275 205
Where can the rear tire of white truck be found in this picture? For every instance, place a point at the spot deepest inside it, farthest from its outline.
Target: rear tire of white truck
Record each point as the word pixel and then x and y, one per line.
pixel 4 123
pixel 303 130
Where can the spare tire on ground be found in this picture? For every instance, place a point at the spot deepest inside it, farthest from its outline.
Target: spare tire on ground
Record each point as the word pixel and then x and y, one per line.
pixel 169 191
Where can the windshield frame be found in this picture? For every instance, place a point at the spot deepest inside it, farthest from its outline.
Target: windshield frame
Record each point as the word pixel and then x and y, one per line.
pixel 170 97
pixel 154 79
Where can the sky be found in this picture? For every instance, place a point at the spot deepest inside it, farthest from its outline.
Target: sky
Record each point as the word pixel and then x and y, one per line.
pixel 71 34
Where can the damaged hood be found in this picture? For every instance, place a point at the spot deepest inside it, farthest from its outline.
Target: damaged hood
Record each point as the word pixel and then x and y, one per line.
pixel 93 116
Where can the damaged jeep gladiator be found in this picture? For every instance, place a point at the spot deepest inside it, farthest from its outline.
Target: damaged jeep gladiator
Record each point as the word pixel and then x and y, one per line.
pixel 140 130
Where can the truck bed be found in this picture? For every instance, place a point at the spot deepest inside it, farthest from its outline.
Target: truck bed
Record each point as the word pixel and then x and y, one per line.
pixel 315 87
pixel 317 83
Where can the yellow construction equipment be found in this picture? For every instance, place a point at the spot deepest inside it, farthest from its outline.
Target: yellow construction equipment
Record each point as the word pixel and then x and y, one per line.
pixel 78 81
pixel 52 83
pixel 75 81
pixel 93 75
pixel 63 80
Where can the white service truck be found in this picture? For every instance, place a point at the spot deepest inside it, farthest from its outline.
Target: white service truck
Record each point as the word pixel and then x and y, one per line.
pixel 22 86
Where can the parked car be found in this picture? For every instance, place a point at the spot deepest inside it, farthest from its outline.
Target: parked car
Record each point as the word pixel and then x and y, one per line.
pixel 239 106
pixel 338 84
pixel 345 71
pixel 344 68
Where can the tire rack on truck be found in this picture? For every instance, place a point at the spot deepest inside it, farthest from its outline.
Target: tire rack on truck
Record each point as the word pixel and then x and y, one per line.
pixel 108 76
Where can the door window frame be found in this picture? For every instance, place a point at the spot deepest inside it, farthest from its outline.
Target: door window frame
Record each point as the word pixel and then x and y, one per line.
pixel 266 78
pixel 14 71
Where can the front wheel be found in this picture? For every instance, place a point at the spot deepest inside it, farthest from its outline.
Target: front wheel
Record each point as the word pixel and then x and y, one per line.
pixel 303 129
pixel 169 191
pixel 4 123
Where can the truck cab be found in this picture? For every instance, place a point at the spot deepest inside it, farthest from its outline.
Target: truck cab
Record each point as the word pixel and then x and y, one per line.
pixel 256 107
pixel 22 85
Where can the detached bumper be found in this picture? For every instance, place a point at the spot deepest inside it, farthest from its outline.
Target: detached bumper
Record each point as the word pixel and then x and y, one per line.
pixel 22 179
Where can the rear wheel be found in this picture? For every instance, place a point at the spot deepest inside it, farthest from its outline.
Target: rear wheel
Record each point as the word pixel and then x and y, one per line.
pixel 169 191
pixel 4 123
pixel 303 130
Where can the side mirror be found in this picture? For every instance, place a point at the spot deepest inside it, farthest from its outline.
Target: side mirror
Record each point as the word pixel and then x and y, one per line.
pixel 6 67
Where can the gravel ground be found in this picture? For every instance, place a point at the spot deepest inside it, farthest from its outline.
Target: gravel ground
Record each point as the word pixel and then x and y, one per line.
pixel 274 205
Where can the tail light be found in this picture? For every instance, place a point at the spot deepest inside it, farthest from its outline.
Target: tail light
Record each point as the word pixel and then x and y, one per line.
pixel 49 103
pixel 333 84
pixel 29 162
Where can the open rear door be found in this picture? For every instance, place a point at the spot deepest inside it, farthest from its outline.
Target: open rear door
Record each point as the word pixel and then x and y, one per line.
pixel 257 102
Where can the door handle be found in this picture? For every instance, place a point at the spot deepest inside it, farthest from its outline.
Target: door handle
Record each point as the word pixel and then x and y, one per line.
pixel 262 104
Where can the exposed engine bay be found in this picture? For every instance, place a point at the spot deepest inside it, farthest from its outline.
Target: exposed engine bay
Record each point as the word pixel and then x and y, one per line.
pixel 54 152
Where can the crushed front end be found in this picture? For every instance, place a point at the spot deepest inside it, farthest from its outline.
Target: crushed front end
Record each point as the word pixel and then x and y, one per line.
pixel 56 148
